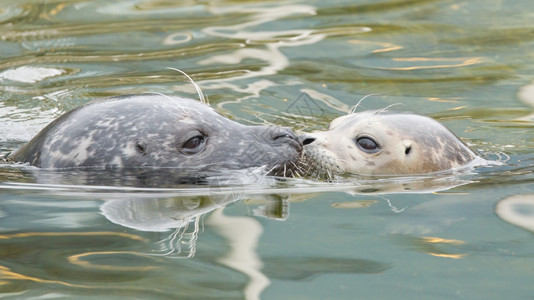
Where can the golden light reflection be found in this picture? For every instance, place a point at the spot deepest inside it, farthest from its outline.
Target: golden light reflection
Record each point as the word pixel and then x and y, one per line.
pixel 77 260
pixel 454 62
pixel 58 234
pixel 6 273
pixel 435 240
pixel 57 9
pixel 386 47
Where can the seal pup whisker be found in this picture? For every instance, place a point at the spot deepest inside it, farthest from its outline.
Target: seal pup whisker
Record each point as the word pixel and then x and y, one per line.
pixel 330 175
pixel 269 171
pixel 387 107
pixel 199 91
pixel 506 157
pixel 295 170
pixel 155 131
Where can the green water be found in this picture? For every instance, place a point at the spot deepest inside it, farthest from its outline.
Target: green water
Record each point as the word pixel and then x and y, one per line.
pixel 469 64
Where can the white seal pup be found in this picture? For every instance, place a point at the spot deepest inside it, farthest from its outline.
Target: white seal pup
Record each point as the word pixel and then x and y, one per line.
pixel 384 143
pixel 158 131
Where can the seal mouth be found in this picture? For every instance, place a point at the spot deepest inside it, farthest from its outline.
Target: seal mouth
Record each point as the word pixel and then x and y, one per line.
pixel 288 165
pixel 316 161
pixel 281 136
pixel 290 140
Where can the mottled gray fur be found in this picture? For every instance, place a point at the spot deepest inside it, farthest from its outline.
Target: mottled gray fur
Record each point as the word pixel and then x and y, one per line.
pixel 403 143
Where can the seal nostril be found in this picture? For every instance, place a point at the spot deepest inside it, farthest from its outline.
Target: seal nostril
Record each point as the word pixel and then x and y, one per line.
pixel 281 136
pixel 407 150
pixel 308 141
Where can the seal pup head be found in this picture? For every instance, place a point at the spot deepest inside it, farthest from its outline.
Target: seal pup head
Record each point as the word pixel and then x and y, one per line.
pixel 157 131
pixel 383 143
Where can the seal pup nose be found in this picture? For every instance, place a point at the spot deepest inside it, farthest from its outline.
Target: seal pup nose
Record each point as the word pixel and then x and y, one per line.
pixel 280 133
pixel 306 140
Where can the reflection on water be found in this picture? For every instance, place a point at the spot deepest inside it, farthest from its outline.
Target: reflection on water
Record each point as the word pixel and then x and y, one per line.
pixel 84 234
pixel 28 258
pixel 166 223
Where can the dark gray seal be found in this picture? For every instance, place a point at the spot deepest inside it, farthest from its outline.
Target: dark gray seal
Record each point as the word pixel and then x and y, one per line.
pixel 158 131
pixel 385 143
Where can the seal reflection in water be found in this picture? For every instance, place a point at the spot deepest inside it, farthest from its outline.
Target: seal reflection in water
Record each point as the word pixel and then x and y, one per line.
pixel 155 131
pixel 384 143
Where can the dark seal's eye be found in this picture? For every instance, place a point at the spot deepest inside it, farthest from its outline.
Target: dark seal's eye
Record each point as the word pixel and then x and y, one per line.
pixel 194 145
pixel 367 144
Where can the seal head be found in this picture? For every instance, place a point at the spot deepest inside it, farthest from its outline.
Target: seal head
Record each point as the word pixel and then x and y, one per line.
pixel 157 131
pixel 384 143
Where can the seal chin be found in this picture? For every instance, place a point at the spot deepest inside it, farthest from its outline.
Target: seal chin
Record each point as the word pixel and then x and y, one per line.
pixel 279 151
pixel 285 160
pixel 320 163
pixel 383 143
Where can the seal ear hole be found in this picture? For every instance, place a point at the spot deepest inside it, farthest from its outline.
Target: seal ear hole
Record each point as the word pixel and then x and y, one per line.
pixel 194 145
pixel 408 150
pixel 368 144
pixel 140 148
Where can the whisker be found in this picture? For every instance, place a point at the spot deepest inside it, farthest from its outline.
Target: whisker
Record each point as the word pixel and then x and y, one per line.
pixel 296 170
pixel 269 172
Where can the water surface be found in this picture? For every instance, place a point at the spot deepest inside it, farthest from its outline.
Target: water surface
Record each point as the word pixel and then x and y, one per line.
pixel 468 64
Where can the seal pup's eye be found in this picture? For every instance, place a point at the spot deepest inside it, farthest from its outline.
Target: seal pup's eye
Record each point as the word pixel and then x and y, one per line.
pixel 367 144
pixel 194 145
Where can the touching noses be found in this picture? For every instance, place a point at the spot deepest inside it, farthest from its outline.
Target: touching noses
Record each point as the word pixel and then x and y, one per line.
pixel 306 139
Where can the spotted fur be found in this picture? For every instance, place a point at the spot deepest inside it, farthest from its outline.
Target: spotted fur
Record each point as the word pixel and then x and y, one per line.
pixel 148 131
